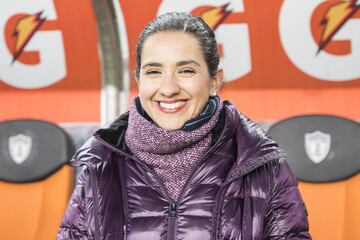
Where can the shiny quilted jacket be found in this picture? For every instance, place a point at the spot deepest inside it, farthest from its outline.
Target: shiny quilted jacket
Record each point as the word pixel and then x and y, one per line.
pixel 241 189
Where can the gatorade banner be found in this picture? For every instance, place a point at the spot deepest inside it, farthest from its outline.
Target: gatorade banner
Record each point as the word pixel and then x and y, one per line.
pixel 49 62
pixel 281 57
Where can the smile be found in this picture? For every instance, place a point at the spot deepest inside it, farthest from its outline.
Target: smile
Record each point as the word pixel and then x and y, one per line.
pixel 171 107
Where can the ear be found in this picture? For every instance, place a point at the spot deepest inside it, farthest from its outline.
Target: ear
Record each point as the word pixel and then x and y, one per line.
pixel 217 82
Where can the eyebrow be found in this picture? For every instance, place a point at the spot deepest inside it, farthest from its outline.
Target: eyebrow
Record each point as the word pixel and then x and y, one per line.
pixel 152 64
pixel 186 62
pixel 178 64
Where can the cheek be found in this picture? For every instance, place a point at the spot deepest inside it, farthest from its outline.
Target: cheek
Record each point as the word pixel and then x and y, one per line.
pixel 198 87
pixel 147 89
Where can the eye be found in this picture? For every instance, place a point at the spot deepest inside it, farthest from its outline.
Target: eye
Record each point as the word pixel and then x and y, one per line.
pixel 153 72
pixel 186 72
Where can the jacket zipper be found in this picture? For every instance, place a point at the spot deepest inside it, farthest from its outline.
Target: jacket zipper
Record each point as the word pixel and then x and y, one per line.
pixel 171 234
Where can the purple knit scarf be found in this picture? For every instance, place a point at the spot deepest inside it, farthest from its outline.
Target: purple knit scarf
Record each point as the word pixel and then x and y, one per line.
pixel 172 154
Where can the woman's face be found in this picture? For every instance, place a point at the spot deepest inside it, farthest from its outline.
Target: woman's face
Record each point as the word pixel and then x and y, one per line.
pixel 174 81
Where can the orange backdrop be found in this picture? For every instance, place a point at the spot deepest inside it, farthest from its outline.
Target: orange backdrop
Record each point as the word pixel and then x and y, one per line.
pixel 75 97
pixel 264 79
pixel 275 87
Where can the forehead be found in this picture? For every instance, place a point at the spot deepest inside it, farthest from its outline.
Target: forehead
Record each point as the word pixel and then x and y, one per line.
pixel 168 47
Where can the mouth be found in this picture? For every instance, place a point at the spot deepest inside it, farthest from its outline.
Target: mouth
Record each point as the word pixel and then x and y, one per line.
pixel 171 106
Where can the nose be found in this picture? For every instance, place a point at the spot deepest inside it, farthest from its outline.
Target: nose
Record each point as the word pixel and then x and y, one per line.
pixel 170 86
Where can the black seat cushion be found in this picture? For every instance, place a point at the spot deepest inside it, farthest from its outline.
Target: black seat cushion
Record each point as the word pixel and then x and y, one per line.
pixel 320 148
pixel 31 150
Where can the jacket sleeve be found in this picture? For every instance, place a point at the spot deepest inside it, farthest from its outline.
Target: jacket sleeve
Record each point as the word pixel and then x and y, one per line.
pixel 286 215
pixel 74 221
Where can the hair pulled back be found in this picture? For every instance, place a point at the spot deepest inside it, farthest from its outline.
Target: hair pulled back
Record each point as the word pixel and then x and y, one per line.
pixel 182 22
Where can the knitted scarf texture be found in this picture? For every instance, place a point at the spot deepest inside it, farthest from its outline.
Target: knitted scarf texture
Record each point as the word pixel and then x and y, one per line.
pixel 172 154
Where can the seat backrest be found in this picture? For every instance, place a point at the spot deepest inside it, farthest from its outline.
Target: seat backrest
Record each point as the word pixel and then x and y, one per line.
pixel 323 151
pixel 35 181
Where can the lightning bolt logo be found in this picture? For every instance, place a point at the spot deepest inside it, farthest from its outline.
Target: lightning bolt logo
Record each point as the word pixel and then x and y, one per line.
pixel 215 15
pixel 24 30
pixel 335 17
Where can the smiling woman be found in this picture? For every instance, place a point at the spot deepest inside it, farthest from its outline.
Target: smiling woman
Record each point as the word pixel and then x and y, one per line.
pixel 174 83
pixel 182 164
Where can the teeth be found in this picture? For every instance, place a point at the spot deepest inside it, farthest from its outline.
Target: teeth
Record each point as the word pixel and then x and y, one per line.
pixel 172 105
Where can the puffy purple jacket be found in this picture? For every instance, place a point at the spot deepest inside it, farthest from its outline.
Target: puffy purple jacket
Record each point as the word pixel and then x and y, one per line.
pixel 241 189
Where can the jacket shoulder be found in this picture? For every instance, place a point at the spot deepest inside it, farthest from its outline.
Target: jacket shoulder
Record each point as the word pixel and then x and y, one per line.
pixel 90 153
pixel 104 141
pixel 253 147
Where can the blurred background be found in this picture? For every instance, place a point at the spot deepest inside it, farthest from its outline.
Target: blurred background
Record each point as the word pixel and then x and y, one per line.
pixel 70 64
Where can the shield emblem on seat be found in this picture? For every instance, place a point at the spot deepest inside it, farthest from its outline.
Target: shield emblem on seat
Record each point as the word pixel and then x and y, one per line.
pixel 317 145
pixel 19 147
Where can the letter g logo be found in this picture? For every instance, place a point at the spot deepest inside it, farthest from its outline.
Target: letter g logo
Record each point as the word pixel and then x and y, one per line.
pixel 302 49
pixel 48 44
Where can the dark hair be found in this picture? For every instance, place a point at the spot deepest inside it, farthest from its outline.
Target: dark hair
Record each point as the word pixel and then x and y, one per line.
pixel 182 22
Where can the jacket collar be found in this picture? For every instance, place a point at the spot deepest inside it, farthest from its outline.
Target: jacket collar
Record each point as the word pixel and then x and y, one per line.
pixel 253 146
pixel 96 149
